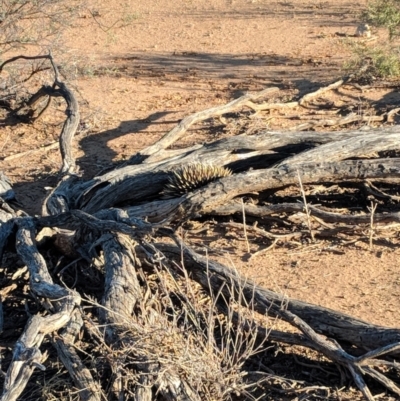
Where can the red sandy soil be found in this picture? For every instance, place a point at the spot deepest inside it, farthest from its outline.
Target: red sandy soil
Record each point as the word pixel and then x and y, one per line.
pixel 171 58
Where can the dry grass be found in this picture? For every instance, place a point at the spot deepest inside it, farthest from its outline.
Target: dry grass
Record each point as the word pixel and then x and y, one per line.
pixel 181 329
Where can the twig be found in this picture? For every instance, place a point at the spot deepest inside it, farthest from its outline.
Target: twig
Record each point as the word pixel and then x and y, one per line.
pixel 337 121
pixel 11 60
pixel 264 233
pixel 336 216
pixel 244 227
pixel 306 207
pixel 391 115
pixel 371 188
pixel 306 98
pixel 264 250
pixel 53 145
pixel 371 226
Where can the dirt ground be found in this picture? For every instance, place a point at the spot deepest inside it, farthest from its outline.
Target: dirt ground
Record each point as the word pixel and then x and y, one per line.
pixel 166 59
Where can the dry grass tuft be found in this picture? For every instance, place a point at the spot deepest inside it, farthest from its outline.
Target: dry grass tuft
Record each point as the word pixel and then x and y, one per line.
pixel 180 328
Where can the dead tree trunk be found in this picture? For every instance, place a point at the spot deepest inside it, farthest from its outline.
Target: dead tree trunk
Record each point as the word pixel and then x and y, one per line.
pixel 153 331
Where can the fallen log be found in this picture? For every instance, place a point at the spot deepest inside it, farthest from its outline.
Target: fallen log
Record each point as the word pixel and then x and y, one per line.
pixel 153 332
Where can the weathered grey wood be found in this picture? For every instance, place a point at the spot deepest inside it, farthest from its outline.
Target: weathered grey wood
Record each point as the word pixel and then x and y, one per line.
pixel 217 193
pixel 209 198
pixel 122 289
pixel 330 349
pixel 324 320
pixel 226 284
pixel 6 228
pixel 122 293
pixel 64 344
pixel 327 216
pixel 134 189
pixel 176 133
pixel 155 151
pixel 369 370
pixel 60 199
pixel 359 146
pixel 6 191
pixel 159 211
pixel 238 148
pixel 71 122
pixel 27 355
pixel 143 182
pixel 267 161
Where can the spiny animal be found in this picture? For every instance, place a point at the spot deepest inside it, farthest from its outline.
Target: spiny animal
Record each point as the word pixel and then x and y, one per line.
pixel 191 177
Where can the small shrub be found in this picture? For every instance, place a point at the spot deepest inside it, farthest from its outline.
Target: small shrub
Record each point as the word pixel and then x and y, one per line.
pixel 26 22
pixel 385 63
pixel 381 61
pixel 371 63
pixel 384 13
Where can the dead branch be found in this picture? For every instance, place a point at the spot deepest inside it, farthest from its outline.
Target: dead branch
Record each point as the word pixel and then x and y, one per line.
pixel 71 122
pixel 64 344
pixel 183 126
pixel 209 198
pixel 7 216
pixel 380 219
pixel 27 355
pixel 361 146
pixel 238 153
pixel 115 221
pixel 122 293
pixel 334 122
pixel 51 146
pixel 23 57
pixel 58 88
pixel 371 188
pixel 306 98
pixel 341 327
pixel 219 280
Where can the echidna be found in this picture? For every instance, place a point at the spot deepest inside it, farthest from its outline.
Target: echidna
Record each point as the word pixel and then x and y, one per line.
pixel 191 177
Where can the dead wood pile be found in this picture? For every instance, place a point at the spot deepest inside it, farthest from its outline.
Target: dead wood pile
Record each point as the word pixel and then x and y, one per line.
pixel 144 315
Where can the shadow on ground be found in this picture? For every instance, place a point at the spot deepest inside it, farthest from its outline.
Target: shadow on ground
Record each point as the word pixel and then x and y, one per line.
pixel 229 71
pixel 98 155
